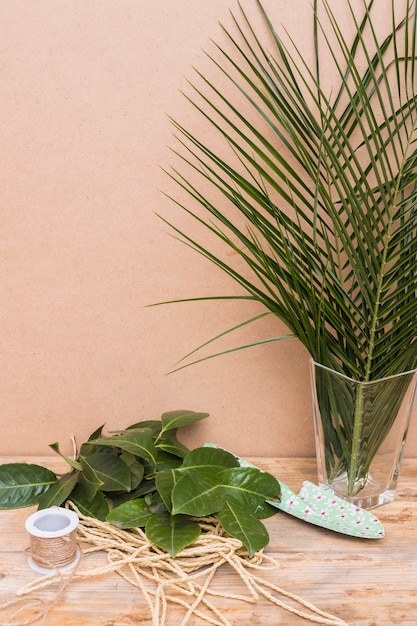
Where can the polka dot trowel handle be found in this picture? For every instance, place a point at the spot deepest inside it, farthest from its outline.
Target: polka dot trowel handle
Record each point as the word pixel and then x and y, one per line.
pixel 320 506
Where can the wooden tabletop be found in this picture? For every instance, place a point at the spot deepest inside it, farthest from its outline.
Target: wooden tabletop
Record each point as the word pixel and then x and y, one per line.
pixel 363 582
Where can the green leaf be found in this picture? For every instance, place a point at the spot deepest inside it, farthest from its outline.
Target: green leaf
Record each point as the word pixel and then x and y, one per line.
pixel 137 441
pixel 176 419
pixel 198 494
pixel 171 533
pixel 89 478
pixel 155 502
pixel 87 448
pixel 60 491
pixel 249 487
pixel 166 460
pixel 130 514
pixel 136 469
pixel 22 484
pixel 209 459
pixel 97 433
pixel 97 508
pixel 169 443
pixel 265 510
pixel 154 425
pixel 74 464
pixel 238 523
pixel 111 471
pixel 201 493
pixel 165 482
pixel 146 486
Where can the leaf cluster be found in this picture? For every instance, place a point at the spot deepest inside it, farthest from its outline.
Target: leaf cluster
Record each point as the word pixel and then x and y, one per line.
pixel 144 477
pixel 314 188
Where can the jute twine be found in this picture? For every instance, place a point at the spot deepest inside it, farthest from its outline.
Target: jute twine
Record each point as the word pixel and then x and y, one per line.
pixel 164 581
pixel 23 612
pixel 56 552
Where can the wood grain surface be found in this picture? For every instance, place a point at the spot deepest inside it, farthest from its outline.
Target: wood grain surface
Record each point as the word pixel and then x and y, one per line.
pixel 364 582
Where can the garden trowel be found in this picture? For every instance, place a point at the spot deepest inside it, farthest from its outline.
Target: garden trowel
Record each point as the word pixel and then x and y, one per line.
pixel 320 506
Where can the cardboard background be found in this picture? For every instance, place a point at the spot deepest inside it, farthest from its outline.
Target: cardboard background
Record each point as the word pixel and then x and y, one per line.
pixel 85 91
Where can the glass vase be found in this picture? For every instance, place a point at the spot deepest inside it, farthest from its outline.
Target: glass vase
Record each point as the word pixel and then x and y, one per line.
pixel 360 431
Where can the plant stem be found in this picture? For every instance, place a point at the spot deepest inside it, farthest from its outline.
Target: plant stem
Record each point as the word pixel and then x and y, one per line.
pixel 353 473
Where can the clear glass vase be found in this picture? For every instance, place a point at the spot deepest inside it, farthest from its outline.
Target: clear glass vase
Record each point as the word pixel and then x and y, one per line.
pixel 360 430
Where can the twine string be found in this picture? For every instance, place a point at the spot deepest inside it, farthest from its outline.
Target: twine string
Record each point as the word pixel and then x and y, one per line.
pixel 39 608
pixel 54 552
pixel 185 581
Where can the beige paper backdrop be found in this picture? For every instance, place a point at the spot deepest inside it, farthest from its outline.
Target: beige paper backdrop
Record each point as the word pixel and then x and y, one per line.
pixel 85 90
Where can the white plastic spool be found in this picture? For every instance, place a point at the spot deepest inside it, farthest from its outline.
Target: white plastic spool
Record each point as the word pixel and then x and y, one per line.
pixel 52 523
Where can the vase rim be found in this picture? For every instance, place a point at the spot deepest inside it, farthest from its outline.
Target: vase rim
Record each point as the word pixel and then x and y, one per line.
pixel 313 362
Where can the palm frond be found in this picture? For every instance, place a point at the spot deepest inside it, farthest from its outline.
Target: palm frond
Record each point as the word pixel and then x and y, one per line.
pixel 319 188
pixel 316 193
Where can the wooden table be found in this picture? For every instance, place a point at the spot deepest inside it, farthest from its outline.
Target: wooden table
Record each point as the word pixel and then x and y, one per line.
pixel 364 582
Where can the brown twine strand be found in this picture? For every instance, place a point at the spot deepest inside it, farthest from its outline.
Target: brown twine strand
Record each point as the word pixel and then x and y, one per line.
pixel 17 608
pixel 54 552
pixel 38 607
pixel 184 581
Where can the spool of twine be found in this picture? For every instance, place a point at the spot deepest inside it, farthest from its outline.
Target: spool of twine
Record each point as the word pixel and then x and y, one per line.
pixel 53 540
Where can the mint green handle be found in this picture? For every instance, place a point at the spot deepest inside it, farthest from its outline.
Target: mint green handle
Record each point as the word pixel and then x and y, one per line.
pixel 320 506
